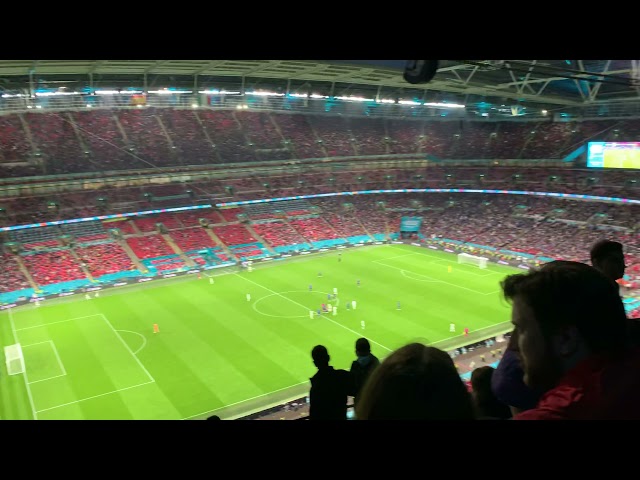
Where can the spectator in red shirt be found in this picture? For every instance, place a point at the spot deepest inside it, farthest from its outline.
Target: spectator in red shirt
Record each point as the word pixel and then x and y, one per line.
pixel 572 339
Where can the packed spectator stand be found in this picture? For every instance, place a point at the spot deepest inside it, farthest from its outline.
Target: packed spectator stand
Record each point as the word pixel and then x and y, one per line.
pixel 75 142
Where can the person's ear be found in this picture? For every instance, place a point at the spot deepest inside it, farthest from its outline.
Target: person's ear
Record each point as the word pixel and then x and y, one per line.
pixel 567 341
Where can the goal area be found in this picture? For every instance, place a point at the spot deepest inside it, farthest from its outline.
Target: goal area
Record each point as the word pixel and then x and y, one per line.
pixel 480 262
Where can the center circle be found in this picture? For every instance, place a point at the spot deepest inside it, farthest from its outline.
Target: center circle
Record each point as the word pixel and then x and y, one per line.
pixel 300 300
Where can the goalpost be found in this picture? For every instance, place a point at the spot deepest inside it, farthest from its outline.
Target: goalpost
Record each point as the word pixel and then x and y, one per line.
pixel 14 359
pixel 473 260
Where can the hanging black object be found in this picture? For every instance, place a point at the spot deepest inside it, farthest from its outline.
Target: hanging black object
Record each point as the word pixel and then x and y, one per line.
pixel 420 71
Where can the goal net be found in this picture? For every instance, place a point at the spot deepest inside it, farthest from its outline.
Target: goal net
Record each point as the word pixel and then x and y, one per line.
pixel 14 359
pixel 473 260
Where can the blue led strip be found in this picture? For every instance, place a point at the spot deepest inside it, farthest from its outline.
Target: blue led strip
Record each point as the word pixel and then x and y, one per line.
pixel 102 217
pixel 320 195
pixel 436 190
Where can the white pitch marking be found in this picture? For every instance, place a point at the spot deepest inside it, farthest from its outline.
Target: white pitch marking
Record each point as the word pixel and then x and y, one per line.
pixel 95 396
pixel 144 339
pixel 127 346
pixel 59 321
pixel 243 401
pixel 25 377
pixel 359 334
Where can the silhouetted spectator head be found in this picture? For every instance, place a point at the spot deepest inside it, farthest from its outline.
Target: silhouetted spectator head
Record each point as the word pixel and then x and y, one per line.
pixel 486 403
pixel 362 367
pixel 563 313
pixel 214 417
pixel 320 356
pixel 363 347
pixel 608 257
pixel 415 382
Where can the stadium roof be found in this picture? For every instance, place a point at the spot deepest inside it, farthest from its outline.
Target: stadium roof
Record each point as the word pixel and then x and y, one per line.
pixel 567 85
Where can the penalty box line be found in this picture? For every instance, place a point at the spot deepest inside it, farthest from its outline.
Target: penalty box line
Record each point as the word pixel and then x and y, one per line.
pixel 435 280
pixel 469 272
pixel 104 317
pixel 307 309
pixel 152 380
pixel 440 260
pixel 58 321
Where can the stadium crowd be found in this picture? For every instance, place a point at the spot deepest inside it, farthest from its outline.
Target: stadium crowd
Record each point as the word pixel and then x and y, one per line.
pixel 534 227
pixel 41 143
pixel 573 351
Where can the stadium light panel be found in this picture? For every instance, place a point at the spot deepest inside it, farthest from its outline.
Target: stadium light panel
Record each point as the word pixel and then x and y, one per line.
pixel 265 94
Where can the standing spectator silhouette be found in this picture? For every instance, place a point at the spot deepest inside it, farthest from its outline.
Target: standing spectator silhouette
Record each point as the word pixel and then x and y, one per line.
pixel 607 257
pixel 487 406
pixel 572 339
pixel 362 366
pixel 415 382
pixel 329 388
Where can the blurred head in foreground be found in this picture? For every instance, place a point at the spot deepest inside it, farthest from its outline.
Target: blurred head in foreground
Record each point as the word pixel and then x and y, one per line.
pixel 415 382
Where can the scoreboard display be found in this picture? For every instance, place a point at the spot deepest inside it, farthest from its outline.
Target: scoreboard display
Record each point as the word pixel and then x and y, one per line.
pixel 613 155
pixel 410 224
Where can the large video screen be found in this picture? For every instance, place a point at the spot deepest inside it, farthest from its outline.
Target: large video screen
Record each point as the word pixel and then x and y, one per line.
pixel 613 155
pixel 410 224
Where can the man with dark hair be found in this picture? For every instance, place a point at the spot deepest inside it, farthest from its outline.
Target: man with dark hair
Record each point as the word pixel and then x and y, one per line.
pixel 329 388
pixel 572 339
pixel 607 256
pixel 362 366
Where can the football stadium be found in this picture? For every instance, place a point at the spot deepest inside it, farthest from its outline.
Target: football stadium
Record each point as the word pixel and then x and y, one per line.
pixel 176 251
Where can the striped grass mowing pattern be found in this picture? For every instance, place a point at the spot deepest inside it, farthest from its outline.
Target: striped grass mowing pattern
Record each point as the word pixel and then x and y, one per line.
pixel 217 351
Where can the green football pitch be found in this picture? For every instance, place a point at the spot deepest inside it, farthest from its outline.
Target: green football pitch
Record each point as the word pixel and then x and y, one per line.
pixel 219 352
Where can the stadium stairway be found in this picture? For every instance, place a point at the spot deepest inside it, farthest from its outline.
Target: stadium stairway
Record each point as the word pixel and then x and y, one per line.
pixel 26 273
pixel 330 226
pixel 135 228
pixel 134 258
pixel 188 261
pixel 286 220
pixel 363 227
pixel 220 243
pixel 81 263
pixel 265 244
